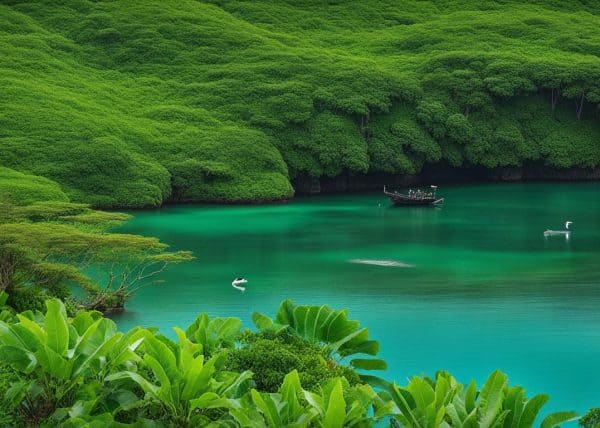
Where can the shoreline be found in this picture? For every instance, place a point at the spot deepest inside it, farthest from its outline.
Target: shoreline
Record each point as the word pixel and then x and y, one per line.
pixel 441 175
pixel 431 174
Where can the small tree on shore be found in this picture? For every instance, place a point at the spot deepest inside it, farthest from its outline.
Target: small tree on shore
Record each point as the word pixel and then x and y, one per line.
pixel 50 246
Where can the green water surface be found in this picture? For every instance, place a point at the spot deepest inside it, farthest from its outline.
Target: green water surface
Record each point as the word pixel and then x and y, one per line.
pixel 468 287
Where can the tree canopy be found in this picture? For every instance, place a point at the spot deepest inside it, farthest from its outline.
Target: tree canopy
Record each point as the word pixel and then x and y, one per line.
pixel 135 103
pixel 48 247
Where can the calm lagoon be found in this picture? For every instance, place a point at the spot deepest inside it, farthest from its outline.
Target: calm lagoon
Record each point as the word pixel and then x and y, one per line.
pixel 468 287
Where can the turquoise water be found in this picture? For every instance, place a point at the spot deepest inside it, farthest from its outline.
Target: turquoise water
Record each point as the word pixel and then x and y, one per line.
pixel 468 287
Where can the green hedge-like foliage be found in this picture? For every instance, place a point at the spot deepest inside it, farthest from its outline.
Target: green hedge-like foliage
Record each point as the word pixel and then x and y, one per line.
pixel 137 103
pixel 23 189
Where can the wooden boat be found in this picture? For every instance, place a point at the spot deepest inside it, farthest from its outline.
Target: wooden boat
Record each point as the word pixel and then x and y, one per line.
pixel 417 198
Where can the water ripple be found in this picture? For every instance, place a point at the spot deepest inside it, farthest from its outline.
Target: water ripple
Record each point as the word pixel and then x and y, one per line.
pixel 392 263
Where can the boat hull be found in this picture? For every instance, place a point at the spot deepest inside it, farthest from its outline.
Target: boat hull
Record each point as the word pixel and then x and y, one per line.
pixel 557 232
pixel 400 199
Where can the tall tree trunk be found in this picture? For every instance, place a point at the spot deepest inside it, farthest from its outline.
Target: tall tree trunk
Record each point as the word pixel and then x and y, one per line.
pixel 364 122
pixel 7 270
pixel 580 106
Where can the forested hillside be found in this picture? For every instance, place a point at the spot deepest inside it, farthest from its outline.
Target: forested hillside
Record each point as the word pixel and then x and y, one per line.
pixel 131 103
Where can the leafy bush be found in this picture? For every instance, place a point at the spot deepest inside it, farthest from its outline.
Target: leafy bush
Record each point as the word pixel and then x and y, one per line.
pixel 7 409
pixel 185 385
pixel 46 247
pixel 57 357
pixel 22 189
pixel 591 419
pixel 330 328
pixel 335 404
pixel 443 401
pixel 271 356
pixel 27 298
pixel 214 335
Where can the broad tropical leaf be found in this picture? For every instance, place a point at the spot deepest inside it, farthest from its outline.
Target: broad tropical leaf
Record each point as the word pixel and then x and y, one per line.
pixel 554 420
pixel 531 410
pixel 55 324
pixel 331 328
pixel 214 334
pixel 368 364
pixel 491 398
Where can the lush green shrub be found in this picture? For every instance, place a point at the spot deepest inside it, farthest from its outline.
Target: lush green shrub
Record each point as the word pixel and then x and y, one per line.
pixel 340 338
pixel 8 378
pixel 214 335
pixel 27 298
pixel 271 356
pixel 23 189
pixel 443 401
pixel 591 419
pixel 46 248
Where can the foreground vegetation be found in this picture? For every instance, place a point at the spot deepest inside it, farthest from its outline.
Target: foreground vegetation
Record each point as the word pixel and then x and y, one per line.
pixel 81 371
pixel 134 103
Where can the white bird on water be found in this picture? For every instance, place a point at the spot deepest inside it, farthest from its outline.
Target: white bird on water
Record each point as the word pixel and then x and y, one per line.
pixel 565 232
pixel 237 284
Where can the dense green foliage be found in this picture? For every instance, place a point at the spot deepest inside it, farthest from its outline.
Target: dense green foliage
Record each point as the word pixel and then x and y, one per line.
pixel 271 356
pixel 22 189
pixel 445 402
pixel 81 371
pixel 591 419
pixel 133 103
pixel 129 103
pixel 340 337
pixel 48 246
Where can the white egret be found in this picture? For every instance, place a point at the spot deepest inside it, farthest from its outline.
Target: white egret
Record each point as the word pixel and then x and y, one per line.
pixel 237 284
